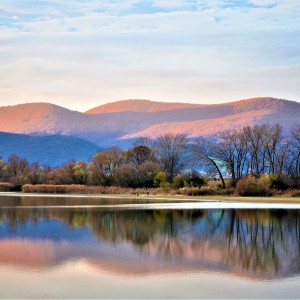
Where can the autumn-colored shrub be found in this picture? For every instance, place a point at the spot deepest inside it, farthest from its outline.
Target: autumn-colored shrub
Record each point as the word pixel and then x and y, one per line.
pixel 254 186
pixel 161 191
pixel 4 187
pixel 9 187
pixel 295 193
pixel 217 184
pixel 197 192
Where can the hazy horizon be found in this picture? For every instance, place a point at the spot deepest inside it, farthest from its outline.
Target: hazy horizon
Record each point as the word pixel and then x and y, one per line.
pixel 86 53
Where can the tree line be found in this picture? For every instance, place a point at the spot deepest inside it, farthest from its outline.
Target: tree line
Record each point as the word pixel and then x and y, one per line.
pixel 255 150
pixel 172 160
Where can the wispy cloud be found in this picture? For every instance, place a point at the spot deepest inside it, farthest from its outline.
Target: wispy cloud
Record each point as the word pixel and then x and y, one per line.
pixel 80 53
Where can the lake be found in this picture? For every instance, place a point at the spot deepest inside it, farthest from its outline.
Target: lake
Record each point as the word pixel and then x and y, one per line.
pixel 62 247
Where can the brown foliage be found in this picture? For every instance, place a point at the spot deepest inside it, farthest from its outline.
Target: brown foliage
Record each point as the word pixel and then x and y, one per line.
pixel 77 189
pixel 7 187
pixel 104 165
pixel 295 193
pixel 254 186
pixel 83 189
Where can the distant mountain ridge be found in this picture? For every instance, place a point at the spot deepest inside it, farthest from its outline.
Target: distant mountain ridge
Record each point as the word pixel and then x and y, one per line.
pixel 120 122
pixel 136 105
pixel 53 150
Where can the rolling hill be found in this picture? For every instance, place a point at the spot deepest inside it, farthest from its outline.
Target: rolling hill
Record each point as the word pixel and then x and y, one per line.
pixel 136 105
pixel 120 122
pixel 53 150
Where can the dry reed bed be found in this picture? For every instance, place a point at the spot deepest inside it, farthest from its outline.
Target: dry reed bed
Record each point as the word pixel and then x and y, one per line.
pixel 8 187
pixel 83 189
pixel 93 190
pixel 74 189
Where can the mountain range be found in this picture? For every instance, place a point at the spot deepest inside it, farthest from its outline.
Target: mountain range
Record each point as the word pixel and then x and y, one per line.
pixel 53 150
pixel 121 122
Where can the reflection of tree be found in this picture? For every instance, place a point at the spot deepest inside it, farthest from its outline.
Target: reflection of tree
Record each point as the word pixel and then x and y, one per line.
pixel 262 241
pixel 254 245
pixel 122 225
pixel 265 242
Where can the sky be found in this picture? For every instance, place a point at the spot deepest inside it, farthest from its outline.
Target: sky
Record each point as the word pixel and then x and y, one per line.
pixel 84 53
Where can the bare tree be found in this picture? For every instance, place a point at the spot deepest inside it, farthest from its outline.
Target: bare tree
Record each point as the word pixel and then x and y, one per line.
pixel 2 169
pixel 140 168
pixel 104 164
pixel 17 170
pixel 38 174
pixel 138 155
pixel 144 141
pixel 205 150
pixel 172 152
pixel 295 149
pixel 255 138
pixel 275 146
pixel 232 151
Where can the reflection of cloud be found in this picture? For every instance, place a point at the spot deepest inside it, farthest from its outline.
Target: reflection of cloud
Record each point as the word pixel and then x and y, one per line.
pixel 177 50
pixel 159 256
pixel 106 257
pixel 123 259
pixel 26 252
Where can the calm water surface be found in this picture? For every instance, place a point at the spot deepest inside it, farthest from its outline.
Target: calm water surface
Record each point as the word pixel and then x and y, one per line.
pixel 49 249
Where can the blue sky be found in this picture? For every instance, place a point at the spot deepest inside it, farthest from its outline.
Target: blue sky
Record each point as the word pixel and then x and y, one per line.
pixel 80 54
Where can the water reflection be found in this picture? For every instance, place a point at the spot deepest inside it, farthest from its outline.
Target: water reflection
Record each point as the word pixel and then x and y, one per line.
pixel 256 244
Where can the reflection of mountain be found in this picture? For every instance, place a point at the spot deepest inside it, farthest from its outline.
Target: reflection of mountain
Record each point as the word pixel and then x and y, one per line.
pixel 263 244
pixel 124 259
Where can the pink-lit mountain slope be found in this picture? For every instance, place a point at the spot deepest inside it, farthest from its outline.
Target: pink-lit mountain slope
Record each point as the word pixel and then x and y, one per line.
pixel 44 118
pixel 234 115
pixel 117 123
pixel 136 105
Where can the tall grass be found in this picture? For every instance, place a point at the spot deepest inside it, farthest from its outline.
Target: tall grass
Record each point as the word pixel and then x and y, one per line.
pixel 83 189
pixel 9 187
pixel 77 189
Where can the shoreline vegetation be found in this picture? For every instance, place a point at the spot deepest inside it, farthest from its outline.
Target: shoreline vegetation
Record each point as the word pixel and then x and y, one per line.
pixel 113 190
pixel 186 194
pixel 257 161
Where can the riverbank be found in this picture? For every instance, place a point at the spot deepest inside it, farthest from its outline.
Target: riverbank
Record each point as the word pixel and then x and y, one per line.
pixel 167 198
